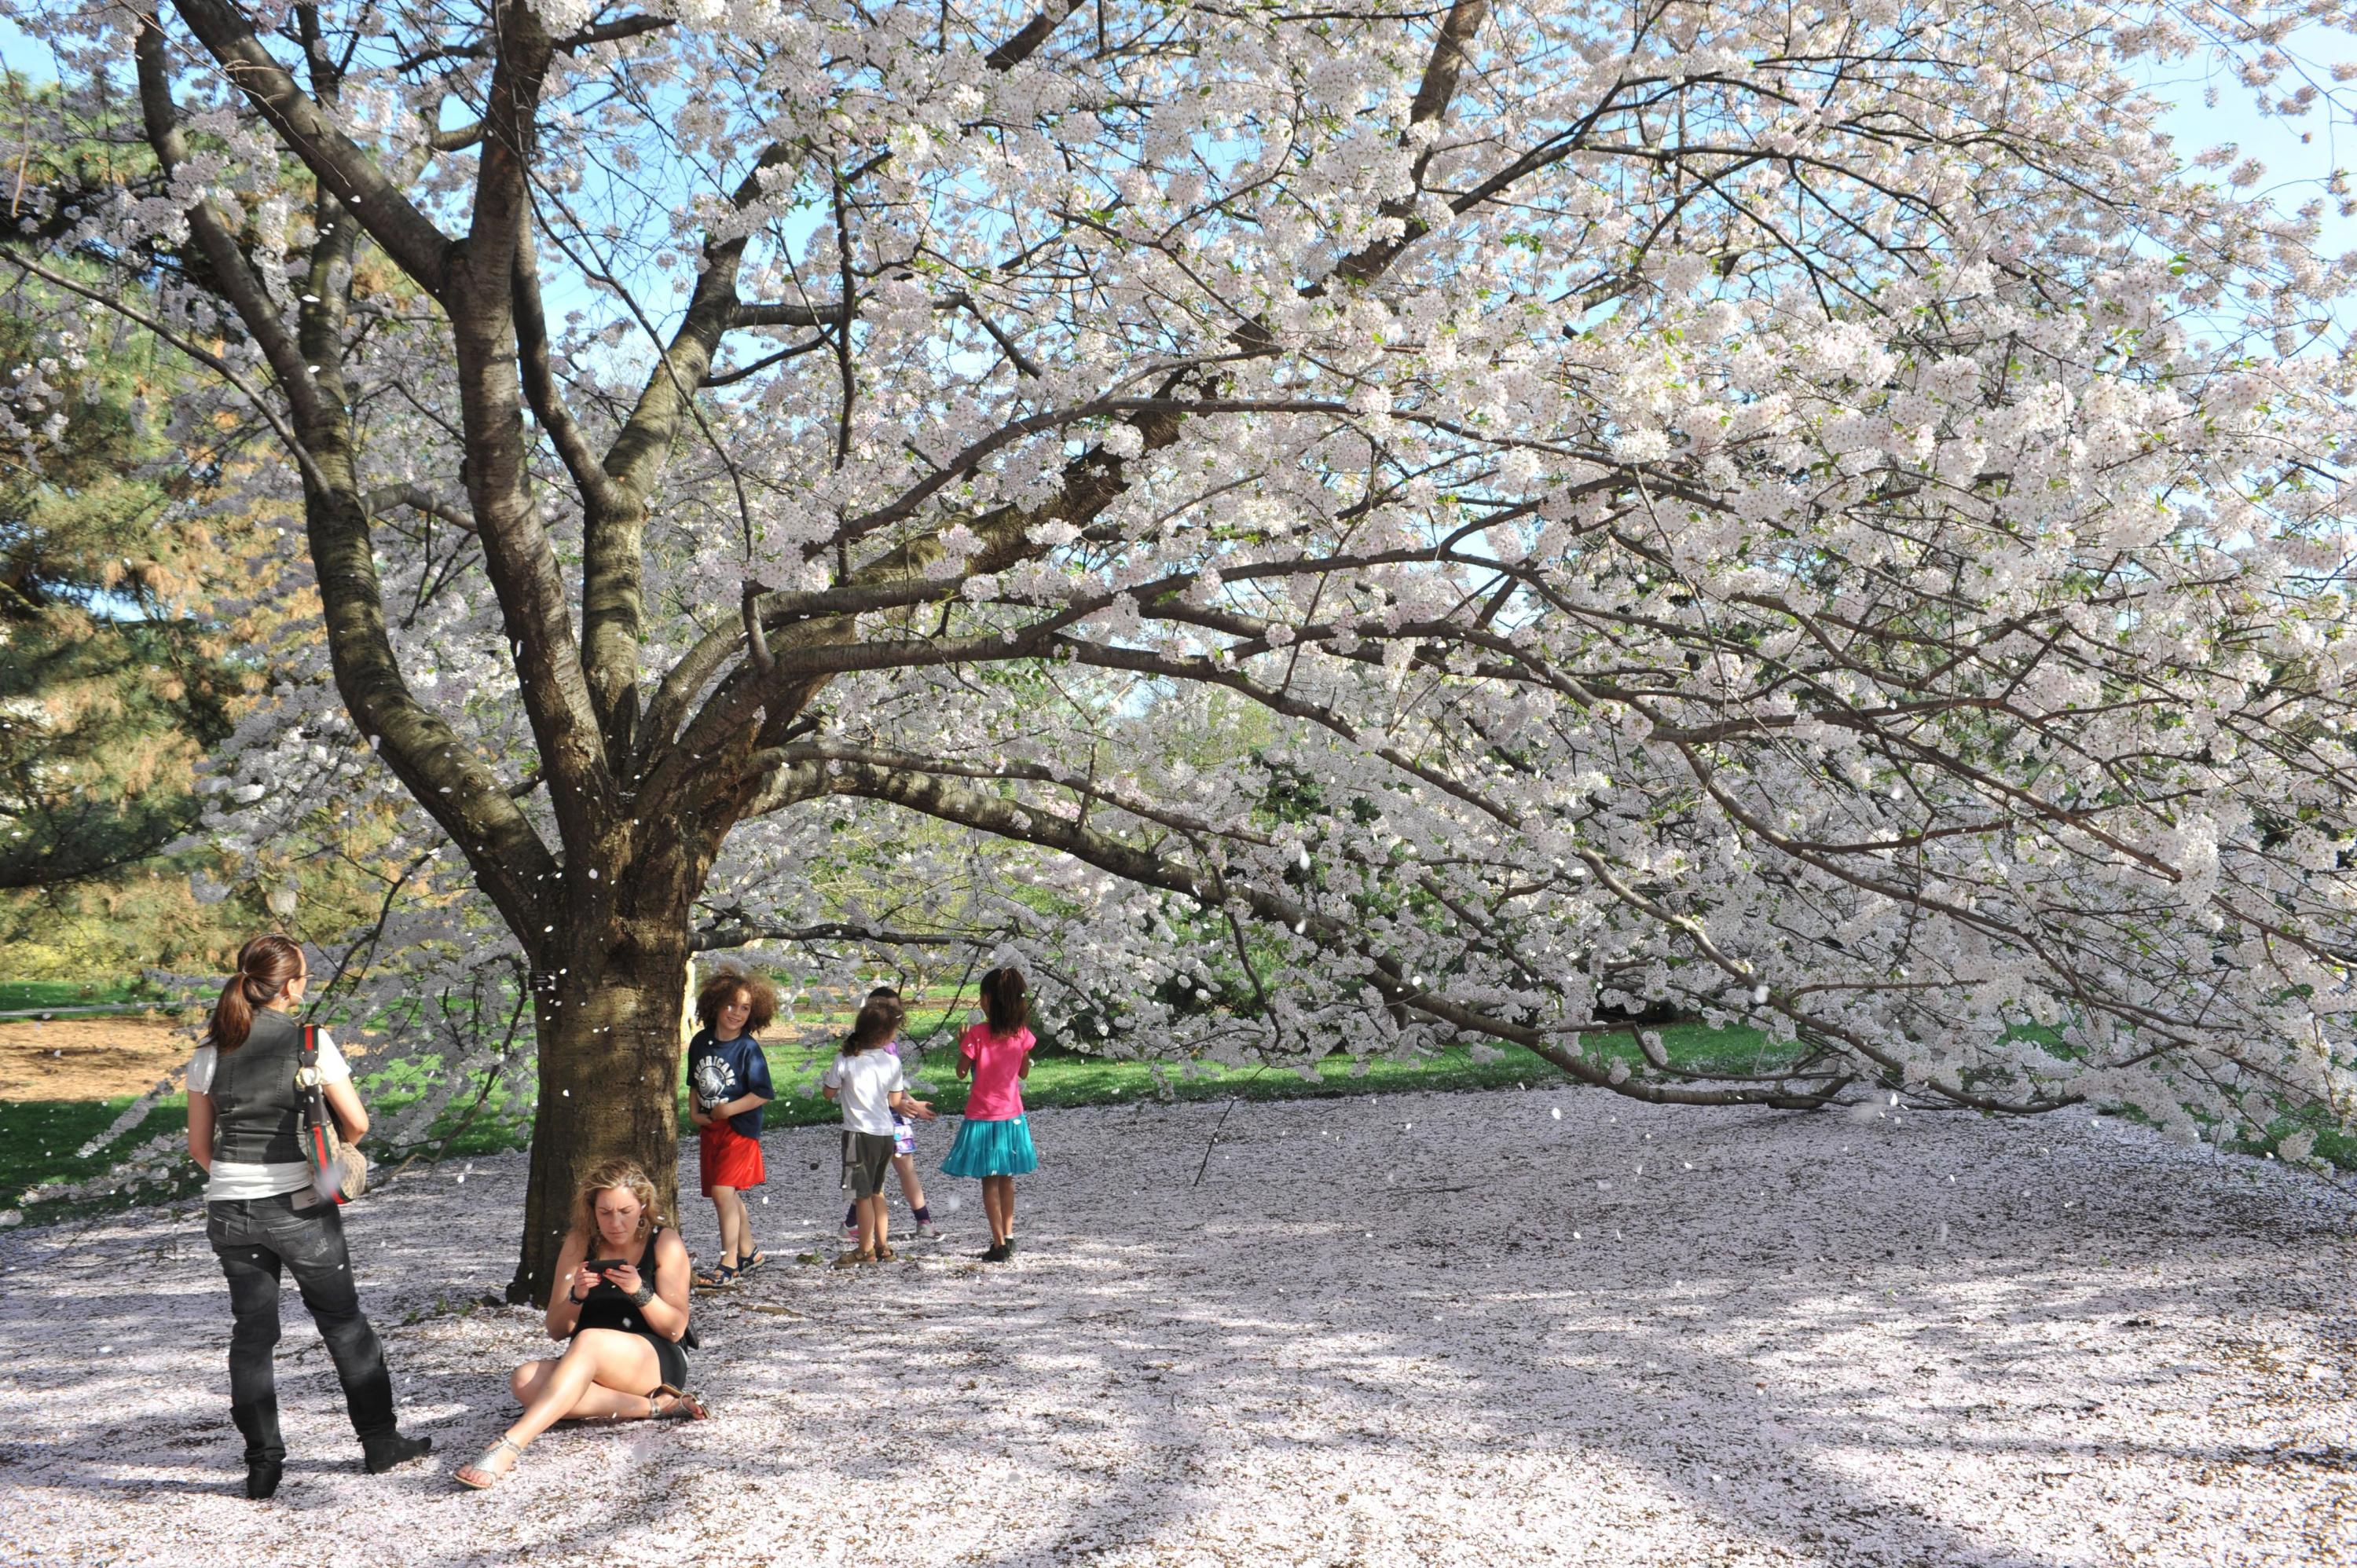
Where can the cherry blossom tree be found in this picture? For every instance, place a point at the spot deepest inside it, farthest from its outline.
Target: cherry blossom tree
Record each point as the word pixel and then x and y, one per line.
pixel 1355 527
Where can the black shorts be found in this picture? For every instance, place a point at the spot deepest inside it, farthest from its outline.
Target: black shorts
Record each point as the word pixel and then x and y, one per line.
pixel 865 1158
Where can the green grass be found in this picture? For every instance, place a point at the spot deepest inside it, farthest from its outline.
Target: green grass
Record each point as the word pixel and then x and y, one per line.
pixel 19 995
pixel 1061 1078
pixel 40 1140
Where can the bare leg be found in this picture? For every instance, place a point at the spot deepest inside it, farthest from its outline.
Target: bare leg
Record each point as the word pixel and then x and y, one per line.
pixel 883 1220
pixel 1005 1205
pixel 598 1403
pixel 742 1218
pixel 600 1368
pixel 598 1358
pixel 730 1209
pixel 910 1188
pixel 992 1211
pixel 869 1232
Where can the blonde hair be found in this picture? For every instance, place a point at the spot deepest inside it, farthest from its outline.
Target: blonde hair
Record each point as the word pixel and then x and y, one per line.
pixel 613 1175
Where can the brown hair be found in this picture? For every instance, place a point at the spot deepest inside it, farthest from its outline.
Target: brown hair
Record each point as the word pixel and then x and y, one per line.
pixel 265 965
pixel 758 993
pixel 610 1177
pixel 1004 1002
pixel 879 1019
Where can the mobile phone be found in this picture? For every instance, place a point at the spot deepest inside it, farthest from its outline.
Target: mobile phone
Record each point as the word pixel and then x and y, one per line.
pixel 603 1265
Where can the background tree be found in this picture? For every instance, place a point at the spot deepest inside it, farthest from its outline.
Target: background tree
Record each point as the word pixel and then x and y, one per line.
pixel 1812 516
pixel 115 675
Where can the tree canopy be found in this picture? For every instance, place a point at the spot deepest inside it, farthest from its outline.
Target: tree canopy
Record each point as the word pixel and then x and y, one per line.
pixel 1419 523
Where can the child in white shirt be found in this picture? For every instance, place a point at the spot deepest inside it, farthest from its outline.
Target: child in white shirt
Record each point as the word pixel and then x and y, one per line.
pixel 867 1081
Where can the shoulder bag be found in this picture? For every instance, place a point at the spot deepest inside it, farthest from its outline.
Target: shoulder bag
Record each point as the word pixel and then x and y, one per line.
pixel 338 1170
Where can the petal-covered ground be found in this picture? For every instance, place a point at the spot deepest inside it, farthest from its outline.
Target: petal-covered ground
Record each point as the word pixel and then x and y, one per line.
pixel 1483 1328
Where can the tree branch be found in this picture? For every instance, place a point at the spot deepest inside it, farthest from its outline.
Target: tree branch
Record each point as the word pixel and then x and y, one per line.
pixel 949 803
pixel 408 236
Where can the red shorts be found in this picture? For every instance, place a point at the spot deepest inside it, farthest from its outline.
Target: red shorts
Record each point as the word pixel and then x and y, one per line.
pixel 730 1158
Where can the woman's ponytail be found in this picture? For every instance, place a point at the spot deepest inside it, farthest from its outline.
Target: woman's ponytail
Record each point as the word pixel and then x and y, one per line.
pixel 265 965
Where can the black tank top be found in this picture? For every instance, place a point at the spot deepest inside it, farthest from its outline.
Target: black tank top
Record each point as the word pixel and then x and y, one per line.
pixel 606 1307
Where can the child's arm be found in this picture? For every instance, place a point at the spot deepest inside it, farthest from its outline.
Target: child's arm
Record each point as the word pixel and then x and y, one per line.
pixel 741 1104
pixel 922 1110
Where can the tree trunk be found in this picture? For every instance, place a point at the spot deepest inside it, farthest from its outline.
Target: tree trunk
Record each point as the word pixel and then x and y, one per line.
pixel 608 1024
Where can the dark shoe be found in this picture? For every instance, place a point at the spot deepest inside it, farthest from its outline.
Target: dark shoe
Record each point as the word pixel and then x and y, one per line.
pixel 262 1478
pixel 384 1453
pixel 997 1254
pixel 1010 1245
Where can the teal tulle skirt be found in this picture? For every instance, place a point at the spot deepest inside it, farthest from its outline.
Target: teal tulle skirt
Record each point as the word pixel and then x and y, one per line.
pixel 992 1148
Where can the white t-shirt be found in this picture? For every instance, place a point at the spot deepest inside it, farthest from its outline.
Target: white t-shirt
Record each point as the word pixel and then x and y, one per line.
pixel 235 1179
pixel 864 1086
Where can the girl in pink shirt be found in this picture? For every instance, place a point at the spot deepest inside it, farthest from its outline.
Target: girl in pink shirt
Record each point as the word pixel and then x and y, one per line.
pixel 994 1141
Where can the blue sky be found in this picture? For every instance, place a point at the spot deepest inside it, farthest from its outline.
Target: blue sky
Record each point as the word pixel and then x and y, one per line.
pixel 2299 155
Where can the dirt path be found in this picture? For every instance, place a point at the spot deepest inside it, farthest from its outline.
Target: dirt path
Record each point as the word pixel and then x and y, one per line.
pixel 89 1059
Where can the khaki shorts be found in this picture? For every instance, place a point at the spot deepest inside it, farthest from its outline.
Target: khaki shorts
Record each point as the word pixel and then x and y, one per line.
pixel 865 1158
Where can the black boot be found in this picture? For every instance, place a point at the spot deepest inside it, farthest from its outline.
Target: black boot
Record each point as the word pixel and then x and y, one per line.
pixel 383 1453
pixel 262 1478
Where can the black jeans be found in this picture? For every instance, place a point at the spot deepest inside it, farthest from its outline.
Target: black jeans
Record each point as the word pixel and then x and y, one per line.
pixel 253 1238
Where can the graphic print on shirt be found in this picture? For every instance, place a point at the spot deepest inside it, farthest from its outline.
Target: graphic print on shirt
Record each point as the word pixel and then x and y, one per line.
pixel 715 1080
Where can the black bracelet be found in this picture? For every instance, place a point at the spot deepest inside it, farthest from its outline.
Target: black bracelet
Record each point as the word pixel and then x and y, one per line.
pixel 643 1294
pixel 575 1300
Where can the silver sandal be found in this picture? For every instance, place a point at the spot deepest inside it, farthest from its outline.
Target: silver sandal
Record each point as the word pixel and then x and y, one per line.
pixel 481 1467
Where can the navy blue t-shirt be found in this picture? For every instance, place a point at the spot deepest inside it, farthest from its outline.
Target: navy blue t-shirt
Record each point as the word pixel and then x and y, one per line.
pixel 720 1070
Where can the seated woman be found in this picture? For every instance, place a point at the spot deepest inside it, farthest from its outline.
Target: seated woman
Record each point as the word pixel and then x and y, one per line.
pixel 627 1321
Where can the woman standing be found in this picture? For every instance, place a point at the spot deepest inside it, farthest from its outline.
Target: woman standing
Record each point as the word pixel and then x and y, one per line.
pixel 263 1215
pixel 621 1303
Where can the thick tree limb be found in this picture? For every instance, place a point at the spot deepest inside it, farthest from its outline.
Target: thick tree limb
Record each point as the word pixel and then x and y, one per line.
pixel 519 558
pixel 743 933
pixel 408 236
pixel 230 268
pixel 1030 35
pixel 540 388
